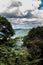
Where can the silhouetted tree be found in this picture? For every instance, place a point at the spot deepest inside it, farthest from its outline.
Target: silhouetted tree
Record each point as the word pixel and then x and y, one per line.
pixel 6 29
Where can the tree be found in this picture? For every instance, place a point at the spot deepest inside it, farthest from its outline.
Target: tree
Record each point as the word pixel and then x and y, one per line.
pixel 34 42
pixel 6 29
pixel 36 32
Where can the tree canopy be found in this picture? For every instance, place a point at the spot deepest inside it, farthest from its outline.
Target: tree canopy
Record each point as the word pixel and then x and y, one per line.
pixel 36 32
pixel 6 29
pixel 34 43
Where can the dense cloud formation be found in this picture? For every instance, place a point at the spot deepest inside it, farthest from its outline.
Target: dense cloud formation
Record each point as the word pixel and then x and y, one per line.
pixel 18 14
pixel 23 13
pixel 18 7
pixel 15 4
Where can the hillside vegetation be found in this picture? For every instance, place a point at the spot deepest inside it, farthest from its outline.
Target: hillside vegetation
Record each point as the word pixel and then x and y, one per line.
pixel 31 52
pixel 34 43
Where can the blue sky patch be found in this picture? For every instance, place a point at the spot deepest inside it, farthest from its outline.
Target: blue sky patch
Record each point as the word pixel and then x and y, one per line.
pixel 41 5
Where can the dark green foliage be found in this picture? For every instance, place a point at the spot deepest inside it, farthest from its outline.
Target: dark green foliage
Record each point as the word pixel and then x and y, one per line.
pixel 31 54
pixel 34 42
pixel 5 28
pixel 8 54
pixel 36 32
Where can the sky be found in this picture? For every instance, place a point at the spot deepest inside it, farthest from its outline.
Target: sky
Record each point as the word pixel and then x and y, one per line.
pixel 41 5
pixel 22 13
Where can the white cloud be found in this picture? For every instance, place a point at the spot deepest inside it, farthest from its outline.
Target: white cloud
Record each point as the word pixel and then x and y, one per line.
pixel 26 4
pixel 29 4
pixel 15 4
pixel 29 9
pixel 38 13
pixel 12 8
pixel 4 4
pixel 25 23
